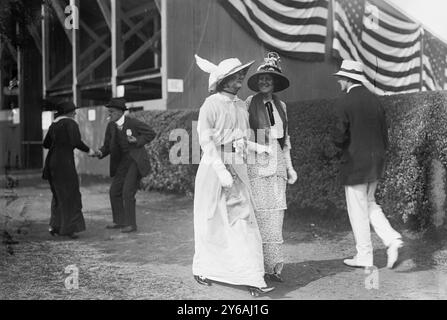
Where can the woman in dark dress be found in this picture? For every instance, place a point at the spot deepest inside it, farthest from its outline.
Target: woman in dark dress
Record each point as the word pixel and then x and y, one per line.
pixel 66 206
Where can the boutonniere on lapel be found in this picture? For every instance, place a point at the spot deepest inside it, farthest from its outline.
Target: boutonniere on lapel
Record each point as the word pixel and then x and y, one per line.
pixel 130 137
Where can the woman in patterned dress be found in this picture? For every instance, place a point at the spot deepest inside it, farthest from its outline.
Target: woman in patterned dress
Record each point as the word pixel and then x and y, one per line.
pixel 270 173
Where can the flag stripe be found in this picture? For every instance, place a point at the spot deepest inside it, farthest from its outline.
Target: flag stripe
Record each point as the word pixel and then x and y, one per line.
pixel 394 22
pixel 394 33
pixel 379 73
pixel 289 15
pixel 395 29
pixel 435 53
pixel 303 4
pixel 389 49
pixel 378 49
pixel 264 21
pixel 305 37
pixel 391 43
pixel 294 28
pixel 371 53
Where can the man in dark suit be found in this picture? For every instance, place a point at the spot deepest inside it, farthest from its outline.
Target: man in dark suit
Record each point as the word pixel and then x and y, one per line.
pixel 124 140
pixel 362 134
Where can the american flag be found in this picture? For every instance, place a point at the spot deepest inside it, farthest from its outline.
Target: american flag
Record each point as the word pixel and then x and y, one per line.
pixel 435 64
pixel 388 46
pixel 295 28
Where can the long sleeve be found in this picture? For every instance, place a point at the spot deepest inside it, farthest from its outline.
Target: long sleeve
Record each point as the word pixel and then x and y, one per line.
pixel 105 149
pixel 205 128
pixel 287 144
pixel 74 136
pixel 48 141
pixel 206 122
pixel 386 140
pixel 341 133
pixel 144 133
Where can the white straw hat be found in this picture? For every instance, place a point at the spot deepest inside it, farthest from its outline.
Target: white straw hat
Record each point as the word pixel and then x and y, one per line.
pixel 352 69
pixel 224 69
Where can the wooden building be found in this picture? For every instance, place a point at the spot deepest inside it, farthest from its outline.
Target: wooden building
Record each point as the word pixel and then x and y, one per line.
pixel 92 50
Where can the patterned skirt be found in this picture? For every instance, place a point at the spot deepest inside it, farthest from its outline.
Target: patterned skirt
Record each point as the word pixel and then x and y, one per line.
pixel 268 181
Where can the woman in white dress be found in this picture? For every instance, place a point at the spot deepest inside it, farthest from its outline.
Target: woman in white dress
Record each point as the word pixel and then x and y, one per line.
pixel 228 245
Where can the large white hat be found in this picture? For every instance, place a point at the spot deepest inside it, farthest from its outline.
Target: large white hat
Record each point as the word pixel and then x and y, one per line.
pixel 224 69
pixel 352 69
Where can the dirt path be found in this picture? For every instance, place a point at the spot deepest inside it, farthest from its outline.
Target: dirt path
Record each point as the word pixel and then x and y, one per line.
pixel 155 262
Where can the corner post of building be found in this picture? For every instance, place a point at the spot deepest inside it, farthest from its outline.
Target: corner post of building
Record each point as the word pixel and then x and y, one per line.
pixel 21 102
pixel 1 74
pixel 45 50
pixel 164 49
pixel 75 52
pixel 117 53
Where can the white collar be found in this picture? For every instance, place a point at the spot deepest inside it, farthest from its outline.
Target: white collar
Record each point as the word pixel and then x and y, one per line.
pixel 62 117
pixel 229 97
pixel 120 121
pixel 353 86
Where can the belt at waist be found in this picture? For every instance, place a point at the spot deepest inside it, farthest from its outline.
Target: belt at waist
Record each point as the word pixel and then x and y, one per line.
pixel 227 148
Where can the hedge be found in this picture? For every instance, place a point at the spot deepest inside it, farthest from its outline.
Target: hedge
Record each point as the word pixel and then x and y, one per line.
pixel 418 134
pixel 164 175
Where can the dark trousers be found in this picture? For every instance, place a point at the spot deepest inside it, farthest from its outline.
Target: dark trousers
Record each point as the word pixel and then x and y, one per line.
pixel 122 192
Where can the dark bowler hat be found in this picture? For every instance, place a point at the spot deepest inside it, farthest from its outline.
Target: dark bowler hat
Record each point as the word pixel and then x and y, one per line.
pixel 64 108
pixel 117 103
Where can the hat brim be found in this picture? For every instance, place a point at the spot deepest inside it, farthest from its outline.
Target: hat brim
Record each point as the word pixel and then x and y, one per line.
pixel 116 107
pixel 280 81
pixel 61 113
pixel 357 77
pixel 64 108
pixel 212 86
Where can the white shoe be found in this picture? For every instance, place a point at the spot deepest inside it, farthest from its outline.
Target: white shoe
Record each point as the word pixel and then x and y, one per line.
pixel 353 263
pixel 393 253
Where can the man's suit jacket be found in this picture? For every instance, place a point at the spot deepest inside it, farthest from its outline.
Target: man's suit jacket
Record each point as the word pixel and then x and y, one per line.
pixel 362 134
pixel 141 131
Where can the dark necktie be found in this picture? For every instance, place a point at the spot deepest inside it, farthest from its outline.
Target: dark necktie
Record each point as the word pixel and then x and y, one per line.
pixel 269 107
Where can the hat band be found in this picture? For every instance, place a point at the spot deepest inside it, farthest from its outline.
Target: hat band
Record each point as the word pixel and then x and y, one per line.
pixel 352 71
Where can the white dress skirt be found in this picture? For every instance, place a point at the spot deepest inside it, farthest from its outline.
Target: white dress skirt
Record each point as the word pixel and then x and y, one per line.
pixel 228 245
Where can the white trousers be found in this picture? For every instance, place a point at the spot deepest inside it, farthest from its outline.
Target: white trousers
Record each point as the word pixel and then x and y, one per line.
pixel 363 211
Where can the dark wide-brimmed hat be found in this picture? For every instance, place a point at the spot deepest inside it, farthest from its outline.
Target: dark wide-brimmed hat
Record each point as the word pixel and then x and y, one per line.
pixel 270 66
pixel 64 108
pixel 117 103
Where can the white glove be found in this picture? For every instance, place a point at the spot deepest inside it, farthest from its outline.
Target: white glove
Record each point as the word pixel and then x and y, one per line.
pixel 291 173
pixel 225 178
pixel 259 148
pixel 291 176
